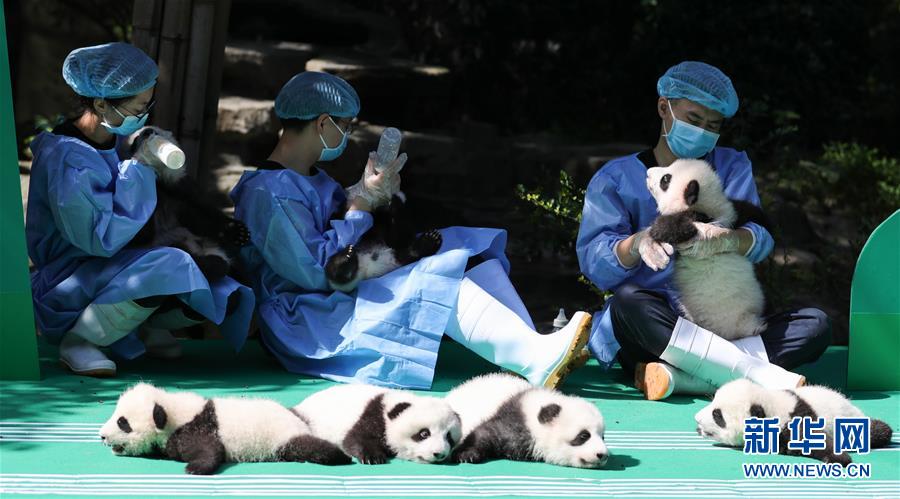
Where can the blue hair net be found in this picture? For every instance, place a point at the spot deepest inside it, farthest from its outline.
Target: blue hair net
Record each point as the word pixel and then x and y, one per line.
pixel 309 94
pixel 701 83
pixel 109 71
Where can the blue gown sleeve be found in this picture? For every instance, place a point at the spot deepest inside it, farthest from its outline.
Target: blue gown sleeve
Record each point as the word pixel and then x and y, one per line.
pixel 741 186
pixel 95 212
pixel 286 232
pixel 604 222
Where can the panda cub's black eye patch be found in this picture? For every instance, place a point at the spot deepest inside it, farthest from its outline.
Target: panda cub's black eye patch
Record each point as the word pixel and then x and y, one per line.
pixel 664 181
pixel 449 438
pixel 717 417
pixel 123 424
pixel 422 435
pixel 581 438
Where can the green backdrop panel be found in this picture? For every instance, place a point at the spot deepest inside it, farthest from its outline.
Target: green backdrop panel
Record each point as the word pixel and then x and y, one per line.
pixel 874 362
pixel 18 345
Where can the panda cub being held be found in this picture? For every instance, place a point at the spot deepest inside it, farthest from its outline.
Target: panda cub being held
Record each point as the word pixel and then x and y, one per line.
pixel 719 293
pixel 723 419
pixel 184 217
pixel 374 424
pixel 205 433
pixel 389 244
pixel 505 417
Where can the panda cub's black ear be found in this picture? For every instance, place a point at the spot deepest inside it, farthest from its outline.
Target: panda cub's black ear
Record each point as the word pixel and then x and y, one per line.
pixel 159 416
pixel 548 413
pixel 757 411
pixel 692 192
pixel 397 409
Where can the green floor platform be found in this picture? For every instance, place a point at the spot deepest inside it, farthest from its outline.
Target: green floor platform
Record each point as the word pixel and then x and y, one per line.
pixel 49 444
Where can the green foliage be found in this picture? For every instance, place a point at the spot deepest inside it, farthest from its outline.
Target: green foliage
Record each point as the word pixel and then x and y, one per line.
pixel 555 216
pixel 810 72
pixel 849 178
pixel 41 124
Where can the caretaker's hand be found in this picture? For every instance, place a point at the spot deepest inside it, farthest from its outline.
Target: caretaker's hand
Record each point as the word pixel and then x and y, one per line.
pixel 654 253
pixel 376 189
pixel 712 240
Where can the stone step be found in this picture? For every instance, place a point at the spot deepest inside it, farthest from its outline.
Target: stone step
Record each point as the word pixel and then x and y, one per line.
pixel 393 90
pixel 259 69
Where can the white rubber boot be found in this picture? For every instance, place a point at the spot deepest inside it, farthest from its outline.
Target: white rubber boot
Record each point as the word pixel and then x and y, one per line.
pixel 716 360
pixel 659 380
pixel 491 277
pixel 84 358
pixel 499 335
pixel 105 323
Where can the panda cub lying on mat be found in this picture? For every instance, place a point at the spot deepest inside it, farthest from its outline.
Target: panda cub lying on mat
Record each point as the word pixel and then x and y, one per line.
pixel 505 417
pixel 723 419
pixel 204 433
pixel 374 424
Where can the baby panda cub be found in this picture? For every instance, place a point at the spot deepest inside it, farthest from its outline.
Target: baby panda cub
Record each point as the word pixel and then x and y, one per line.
pixel 374 424
pixel 389 244
pixel 505 417
pixel 723 419
pixel 204 433
pixel 719 293
pixel 184 218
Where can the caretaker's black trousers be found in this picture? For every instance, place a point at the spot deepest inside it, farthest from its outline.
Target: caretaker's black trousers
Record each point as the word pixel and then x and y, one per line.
pixel 642 322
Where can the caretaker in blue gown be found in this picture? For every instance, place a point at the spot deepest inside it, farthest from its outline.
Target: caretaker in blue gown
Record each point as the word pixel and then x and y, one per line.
pixel 85 205
pixel 640 325
pixel 388 330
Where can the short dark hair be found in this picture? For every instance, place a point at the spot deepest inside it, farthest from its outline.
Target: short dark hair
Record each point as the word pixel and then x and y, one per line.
pixel 295 124
pixel 87 103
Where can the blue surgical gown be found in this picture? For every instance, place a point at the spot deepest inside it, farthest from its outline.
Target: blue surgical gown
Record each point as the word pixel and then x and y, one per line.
pixel 386 332
pixel 84 206
pixel 618 204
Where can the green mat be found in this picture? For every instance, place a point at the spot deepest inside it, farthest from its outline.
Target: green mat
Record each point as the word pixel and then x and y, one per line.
pixel 48 442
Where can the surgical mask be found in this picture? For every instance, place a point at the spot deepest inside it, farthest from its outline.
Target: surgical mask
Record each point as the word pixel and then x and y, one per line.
pixel 332 153
pixel 130 124
pixel 689 141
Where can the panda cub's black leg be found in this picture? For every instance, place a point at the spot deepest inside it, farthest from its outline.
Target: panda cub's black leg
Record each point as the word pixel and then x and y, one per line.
pixel 213 267
pixel 673 229
pixel 343 266
pixel 475 448
pixel 307 448
pixel 366 440
pixel 427 244
pixel 825 455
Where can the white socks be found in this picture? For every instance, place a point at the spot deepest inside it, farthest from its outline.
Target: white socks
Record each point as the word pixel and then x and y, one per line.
pixel 496 333
pixel 699 352
pixel 105 323
pixel 81 357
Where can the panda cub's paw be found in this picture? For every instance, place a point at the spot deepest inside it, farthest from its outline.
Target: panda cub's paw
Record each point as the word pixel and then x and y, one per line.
pixel 237 233
pixel 343 266
pixel 427 244
pixel 843 458
pixel 369 452
pixel 469 454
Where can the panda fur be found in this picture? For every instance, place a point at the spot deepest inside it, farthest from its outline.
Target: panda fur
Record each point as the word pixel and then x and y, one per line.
pixel 374 424
pixel 505 417
pixel 721 292
pixel 389 244
pixel 204 433
pixel 723 419
pixel 186 219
